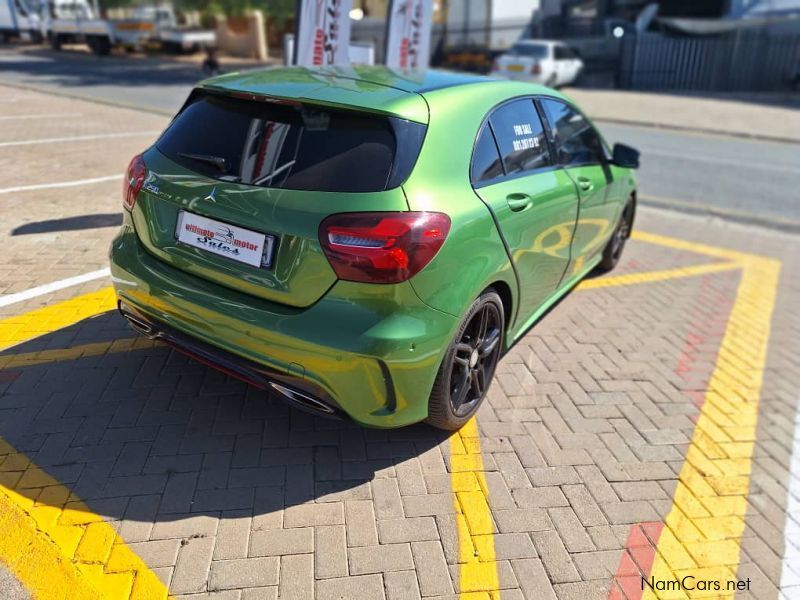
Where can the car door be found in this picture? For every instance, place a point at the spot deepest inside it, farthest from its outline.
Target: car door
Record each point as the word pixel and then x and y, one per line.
pixel 534 203
pixel 579 149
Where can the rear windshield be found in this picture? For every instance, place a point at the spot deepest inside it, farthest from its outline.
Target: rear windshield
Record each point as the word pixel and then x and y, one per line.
pixel 291 146
pixel 532 50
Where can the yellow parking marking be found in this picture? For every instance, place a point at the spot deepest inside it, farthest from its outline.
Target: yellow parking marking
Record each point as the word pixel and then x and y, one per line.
pixel 31 359
pixel 474 523
pixel 57 547
pixel 703 529
pixel 21 328
pixel 53 286
pixel 651 276
pixel 697 248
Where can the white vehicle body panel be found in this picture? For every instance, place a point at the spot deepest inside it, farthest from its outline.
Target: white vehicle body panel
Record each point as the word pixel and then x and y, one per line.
pixel 188 39
pixel 539 61
pixel 18 19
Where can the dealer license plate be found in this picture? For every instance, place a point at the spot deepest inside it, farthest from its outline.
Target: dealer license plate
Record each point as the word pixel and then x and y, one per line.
pixel 237 243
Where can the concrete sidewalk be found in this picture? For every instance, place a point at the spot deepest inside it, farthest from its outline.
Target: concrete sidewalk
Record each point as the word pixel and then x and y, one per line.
pixel 758 116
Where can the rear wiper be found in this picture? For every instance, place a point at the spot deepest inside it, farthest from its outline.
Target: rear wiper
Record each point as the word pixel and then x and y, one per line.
pixel 217 161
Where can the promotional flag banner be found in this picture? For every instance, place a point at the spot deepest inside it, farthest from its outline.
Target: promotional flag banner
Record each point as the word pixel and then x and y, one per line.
pixel 323 33
pixel 408 34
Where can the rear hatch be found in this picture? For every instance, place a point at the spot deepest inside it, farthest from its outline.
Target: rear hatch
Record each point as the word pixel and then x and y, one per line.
pixel 238 185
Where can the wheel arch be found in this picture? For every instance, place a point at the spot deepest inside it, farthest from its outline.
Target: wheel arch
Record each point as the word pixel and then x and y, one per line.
pixel 504 291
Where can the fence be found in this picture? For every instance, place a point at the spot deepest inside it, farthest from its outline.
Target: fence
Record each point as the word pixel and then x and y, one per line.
pixel 739 61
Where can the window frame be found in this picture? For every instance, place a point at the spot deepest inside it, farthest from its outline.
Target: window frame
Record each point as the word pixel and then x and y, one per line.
pixel 552 139
pixel 505 176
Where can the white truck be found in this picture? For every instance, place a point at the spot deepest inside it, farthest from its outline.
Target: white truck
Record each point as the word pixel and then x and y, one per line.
pixel 76 21
pixel 169 34
pixel 19 20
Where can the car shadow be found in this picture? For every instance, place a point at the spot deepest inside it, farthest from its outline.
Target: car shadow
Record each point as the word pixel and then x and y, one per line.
pixel 78 223
pixel 139 432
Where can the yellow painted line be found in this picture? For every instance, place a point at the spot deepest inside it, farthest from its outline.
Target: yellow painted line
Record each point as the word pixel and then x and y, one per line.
pixel 31 359
pixel 478 576
pixel 651 276
pixel 703 529
pixel 21 328
pixel 57 547
pixel 697 248
pixel 51 540
pixel 713 483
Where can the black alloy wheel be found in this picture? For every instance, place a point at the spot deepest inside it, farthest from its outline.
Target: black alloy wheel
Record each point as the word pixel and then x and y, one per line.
pixel 613 250
pixel 469 364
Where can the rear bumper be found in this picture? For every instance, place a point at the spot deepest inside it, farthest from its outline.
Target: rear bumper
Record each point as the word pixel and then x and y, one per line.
pixel 369 352
pixel 292 388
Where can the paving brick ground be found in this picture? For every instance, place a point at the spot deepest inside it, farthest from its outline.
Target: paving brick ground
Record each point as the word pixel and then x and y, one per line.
pixel 225 492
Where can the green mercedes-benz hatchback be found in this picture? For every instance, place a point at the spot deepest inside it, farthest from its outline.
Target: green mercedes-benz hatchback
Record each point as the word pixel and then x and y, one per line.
pixel 366 243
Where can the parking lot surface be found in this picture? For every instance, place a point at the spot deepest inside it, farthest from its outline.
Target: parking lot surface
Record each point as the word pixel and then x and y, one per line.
pixel 646 428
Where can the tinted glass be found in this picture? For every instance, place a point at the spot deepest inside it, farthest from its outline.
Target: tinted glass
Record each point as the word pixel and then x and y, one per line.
pixel 520 136
pixel 576 140
pixel 561 53
pixel 532 50
pixel 282 146
pixel 486 162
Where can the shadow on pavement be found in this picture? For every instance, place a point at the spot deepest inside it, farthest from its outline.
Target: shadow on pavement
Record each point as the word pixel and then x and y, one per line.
pixel 95 221
pixel 140 432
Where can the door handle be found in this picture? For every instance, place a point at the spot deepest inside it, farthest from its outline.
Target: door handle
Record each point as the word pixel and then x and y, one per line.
pixel 585 184
pixel 519 202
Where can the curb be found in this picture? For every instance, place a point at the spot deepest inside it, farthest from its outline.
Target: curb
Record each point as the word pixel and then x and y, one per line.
pixel 632 122
pixel 742 217
pixel 702 130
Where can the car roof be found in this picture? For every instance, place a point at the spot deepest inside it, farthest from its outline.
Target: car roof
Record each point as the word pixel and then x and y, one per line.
pixel 372 88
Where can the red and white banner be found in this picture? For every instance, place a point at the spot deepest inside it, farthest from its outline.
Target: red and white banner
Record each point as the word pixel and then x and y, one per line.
pixel 408 34
pixel 323 33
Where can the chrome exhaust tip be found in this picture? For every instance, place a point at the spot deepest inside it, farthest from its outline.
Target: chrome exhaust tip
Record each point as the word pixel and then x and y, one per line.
pixel 138 325
pixel 301 399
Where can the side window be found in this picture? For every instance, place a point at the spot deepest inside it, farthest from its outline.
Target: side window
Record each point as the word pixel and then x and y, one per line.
pixel 486 162
pixel 577 142
pixel 561 53
pixel 520 137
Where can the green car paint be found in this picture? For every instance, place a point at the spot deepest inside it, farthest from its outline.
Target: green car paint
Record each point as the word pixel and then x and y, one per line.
pixel 374 349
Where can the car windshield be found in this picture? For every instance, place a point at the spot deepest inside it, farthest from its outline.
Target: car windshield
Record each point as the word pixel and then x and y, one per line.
pixel 293 146
pixel 532 50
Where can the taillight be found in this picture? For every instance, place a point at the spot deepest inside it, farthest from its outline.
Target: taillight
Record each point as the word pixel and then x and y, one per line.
pixel 382 247
pixel 134 180
pixel 536 69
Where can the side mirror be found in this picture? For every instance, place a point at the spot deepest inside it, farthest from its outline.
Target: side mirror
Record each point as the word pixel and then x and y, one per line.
pixel 625 156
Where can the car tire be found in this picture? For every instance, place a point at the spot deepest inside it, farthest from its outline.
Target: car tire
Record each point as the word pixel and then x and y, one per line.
pixel 469 364
pixel 613 250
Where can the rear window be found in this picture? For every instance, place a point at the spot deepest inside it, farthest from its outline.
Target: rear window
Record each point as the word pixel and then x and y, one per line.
pixel 532 50
pixel 291 146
